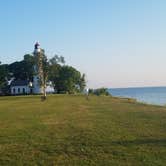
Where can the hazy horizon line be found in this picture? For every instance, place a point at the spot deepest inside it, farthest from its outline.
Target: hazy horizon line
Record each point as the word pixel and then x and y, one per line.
pixel 138 87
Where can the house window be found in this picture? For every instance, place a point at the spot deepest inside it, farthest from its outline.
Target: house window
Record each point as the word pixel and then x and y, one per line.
pixel 14 90
pixel 18 90
pixel 23 90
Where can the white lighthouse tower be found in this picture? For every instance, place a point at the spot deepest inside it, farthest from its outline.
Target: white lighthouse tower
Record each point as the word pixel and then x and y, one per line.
pixel 37 88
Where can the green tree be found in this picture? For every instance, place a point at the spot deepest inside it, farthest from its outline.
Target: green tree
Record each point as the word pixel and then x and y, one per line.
pixel 57 60
pixel 54 75
pixel 100 91
pixel 67 80
pixel 28 63
pixel 23 69
pixel 42 64
pixel 45 65
pixel 55 65
pixel 4 76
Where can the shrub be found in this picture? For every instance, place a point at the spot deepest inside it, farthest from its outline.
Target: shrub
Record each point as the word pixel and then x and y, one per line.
pixel 99 91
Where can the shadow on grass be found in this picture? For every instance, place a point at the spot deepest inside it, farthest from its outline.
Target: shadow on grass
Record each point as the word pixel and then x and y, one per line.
pixel 154 142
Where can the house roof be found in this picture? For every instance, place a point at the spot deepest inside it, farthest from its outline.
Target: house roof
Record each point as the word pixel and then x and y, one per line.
pixel 20 83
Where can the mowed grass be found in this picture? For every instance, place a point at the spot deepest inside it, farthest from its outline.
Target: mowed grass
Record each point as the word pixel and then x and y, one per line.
pixel 70 130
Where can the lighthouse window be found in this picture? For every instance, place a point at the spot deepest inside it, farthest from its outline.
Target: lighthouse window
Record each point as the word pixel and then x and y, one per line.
pixel 18 90
pixel 14 90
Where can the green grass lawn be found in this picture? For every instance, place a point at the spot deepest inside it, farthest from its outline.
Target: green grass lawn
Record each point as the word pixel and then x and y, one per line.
pixel 70 130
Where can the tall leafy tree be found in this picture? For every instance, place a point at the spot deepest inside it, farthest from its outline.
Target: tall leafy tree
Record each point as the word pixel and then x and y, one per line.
pixel 55 65
pixel 57 60
pixel 66 80
pixel 43 68
pixel 4 76
pixel 29 66
pixel 23 69
pixel 54 75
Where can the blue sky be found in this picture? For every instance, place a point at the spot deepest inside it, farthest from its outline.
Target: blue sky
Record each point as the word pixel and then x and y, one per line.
pixel 116 43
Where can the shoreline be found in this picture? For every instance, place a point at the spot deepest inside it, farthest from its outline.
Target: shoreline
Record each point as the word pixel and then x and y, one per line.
pixel 134 100
pixel 148 95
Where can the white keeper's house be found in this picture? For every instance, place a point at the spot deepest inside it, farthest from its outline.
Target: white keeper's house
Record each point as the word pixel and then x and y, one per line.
pixel 20 87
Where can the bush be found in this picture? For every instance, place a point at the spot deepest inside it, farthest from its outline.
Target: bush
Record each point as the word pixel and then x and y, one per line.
pixel 99 91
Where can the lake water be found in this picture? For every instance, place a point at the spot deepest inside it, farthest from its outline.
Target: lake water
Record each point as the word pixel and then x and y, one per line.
pixel 151 95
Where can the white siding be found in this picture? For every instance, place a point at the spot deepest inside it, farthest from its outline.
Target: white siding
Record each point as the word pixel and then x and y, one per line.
pixel 20 90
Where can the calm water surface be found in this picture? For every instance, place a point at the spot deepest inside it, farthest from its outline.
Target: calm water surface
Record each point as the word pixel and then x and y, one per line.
pixel 151 95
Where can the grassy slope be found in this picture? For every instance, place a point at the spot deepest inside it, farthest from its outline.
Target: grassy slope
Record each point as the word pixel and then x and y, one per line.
pixel 69 130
